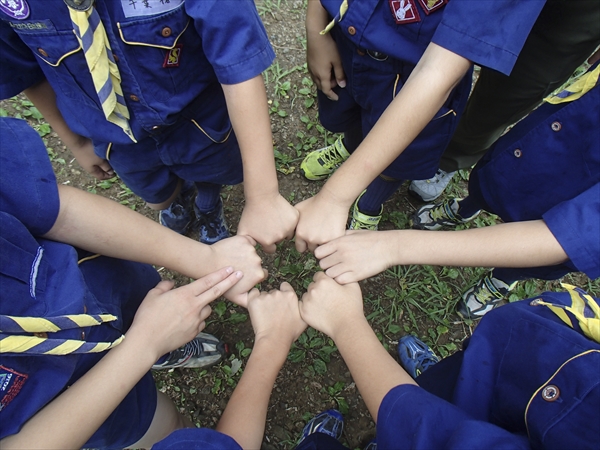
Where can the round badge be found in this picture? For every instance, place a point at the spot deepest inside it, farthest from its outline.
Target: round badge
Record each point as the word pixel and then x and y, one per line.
pixel 17 9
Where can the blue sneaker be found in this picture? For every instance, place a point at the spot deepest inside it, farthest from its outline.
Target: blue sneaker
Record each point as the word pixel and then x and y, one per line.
pixel 415 356
pixel 178 216
pixel 211 225
pixel 329 422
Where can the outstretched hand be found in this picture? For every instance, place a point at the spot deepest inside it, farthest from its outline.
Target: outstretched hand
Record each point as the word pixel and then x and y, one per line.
pixel 268 221
pixel 356 256
pixel 320 222
pixel 239 252
pixel 169 318
pixel 329 307
pixel 275 314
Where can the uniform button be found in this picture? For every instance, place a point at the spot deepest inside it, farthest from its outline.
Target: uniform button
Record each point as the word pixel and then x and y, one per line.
pixel 41 335
pixel 84 309
pixel 83 335
pixel 166 32
pixel 550 393
pixel 360 52
pixel 42 52
pixel 351 31
pixel 156 127
pixel 556 126
pixel 134 97
pixel 115 57
pixel 518 153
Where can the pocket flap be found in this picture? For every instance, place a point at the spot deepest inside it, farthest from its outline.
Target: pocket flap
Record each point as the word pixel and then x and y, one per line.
pixel 161 31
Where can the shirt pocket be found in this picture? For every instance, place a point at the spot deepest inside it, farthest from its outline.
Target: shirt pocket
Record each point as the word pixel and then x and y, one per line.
pixel 23 271
pixel 164 53
pixel 61 58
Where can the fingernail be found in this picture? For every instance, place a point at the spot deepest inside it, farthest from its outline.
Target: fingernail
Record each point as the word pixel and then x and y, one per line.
pixel 229 269
pixel 239 274
pixel 342 83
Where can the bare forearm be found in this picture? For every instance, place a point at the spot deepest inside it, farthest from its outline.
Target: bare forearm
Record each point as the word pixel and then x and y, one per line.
pixel 245 416
pixel 43 97
pixel 520 244
pixel 424 93
pixel 374 371
pixel 59 425
pixel 248 109
pixel 100 225
pixel 316 17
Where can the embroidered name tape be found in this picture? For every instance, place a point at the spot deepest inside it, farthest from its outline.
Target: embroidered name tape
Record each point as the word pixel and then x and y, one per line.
pixel 139 8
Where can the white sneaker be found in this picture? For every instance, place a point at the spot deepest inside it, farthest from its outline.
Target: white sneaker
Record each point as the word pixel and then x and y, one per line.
pixel 429 190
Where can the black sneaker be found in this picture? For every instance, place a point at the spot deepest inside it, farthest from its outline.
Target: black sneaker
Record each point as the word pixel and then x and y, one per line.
pixel 211 225
pixel 204 350
pixel 481 298
pixel 438 215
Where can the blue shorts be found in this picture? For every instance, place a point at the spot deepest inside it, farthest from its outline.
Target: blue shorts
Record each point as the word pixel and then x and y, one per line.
pixel 371 86
pixel 200 147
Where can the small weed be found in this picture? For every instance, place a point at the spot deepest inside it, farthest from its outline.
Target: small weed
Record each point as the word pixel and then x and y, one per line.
pixel 334 392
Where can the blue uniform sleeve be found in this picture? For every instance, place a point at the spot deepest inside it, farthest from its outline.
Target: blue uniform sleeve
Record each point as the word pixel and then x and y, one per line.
pixel 575 224
pixel 234 38
pixel 20 69
pixel 412 418
pixel 28 188
pixel 488 33
pixel 197 439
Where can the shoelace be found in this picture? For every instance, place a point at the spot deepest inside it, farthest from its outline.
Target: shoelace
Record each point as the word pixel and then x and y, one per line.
pixel 443 211
pixel 426 361
pixel 331 157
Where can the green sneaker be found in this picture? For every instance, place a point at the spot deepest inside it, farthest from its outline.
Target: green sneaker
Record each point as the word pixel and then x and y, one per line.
pixel 361 221
pixel 321 163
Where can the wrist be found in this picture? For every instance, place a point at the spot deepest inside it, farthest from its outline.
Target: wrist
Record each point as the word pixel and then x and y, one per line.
pixel 138 349
pixel 350 329
pixel 276 346
pixel 334 197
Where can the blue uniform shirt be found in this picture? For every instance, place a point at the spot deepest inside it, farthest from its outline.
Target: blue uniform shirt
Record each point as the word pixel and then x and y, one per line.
pixel 548 167
pixel 172 57
pixel 166 60
pixel 380 42
pixel 42 278
pixel 500 400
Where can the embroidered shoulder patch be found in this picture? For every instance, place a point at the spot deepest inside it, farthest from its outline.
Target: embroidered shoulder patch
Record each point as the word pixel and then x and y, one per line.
pixel 404 11
pixel 11 383
pixel 430 6
pixel 17 9
pixel 173 57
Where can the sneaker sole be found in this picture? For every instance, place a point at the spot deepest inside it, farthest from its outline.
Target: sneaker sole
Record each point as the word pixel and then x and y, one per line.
pixel 313 177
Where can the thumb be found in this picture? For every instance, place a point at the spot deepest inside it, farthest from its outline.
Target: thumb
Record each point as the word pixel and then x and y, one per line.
pixel 164 286
pixel 240 299
pixel 286 287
